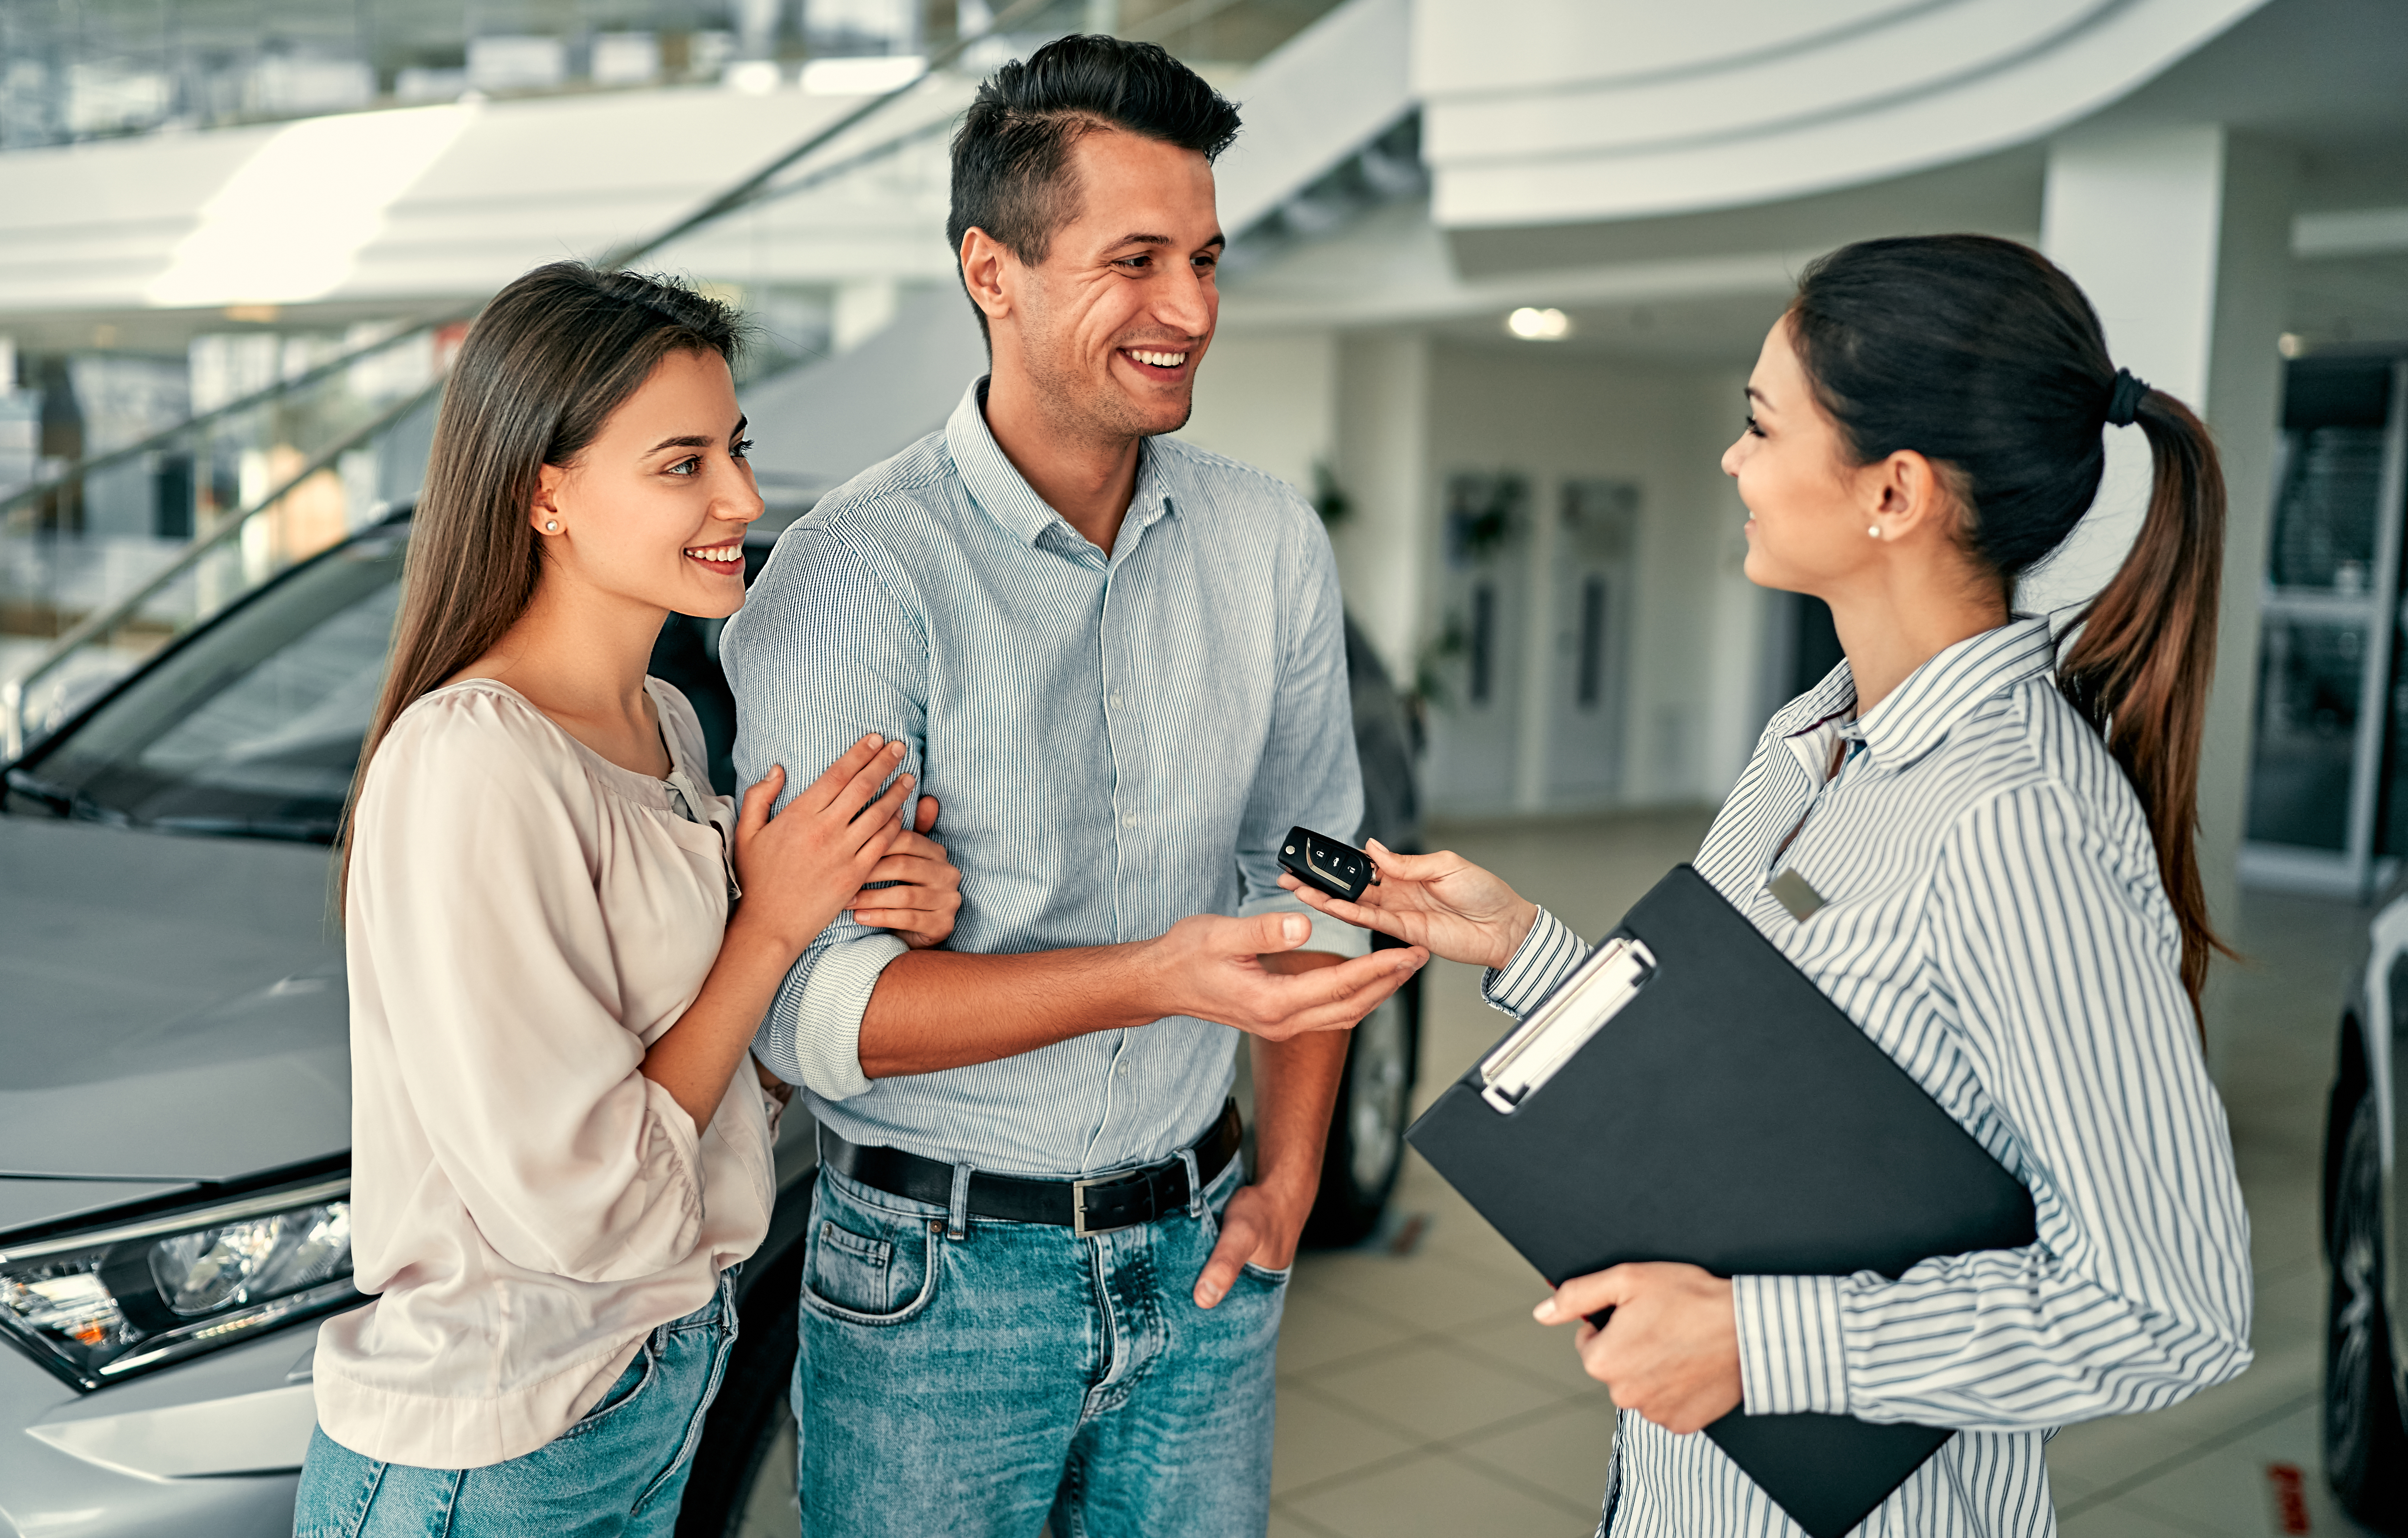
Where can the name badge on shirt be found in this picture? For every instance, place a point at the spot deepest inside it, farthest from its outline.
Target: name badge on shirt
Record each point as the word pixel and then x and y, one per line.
pixel 1793 892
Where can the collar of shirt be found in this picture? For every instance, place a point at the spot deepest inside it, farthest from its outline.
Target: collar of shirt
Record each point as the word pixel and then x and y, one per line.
pixel 1921 711
pixel 1004 494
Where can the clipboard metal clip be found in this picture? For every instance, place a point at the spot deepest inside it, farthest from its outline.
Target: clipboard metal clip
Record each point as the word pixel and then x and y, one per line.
pixel 1558 1029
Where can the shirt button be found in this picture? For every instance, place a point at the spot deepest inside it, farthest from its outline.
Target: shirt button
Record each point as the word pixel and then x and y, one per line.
pixel 1121 1071
pixel 1129 819
pixel 1116 699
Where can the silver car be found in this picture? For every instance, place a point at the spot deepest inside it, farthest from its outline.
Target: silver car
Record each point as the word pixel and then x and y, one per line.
pixel 175 1111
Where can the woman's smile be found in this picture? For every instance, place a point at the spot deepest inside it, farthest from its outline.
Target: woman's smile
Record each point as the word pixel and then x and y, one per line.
pixel 724 559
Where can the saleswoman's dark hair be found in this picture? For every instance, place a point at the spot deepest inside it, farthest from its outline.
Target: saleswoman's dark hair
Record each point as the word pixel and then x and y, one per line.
pixel 1981 356
pixel 544 366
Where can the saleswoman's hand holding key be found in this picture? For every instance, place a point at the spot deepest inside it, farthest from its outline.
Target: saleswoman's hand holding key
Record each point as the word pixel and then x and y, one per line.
pixel 1441 901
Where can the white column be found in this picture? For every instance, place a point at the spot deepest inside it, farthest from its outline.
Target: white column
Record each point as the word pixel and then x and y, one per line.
pixel 1386 549
pixel 2181 237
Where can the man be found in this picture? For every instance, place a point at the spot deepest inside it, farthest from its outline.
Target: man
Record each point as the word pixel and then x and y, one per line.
pixel 1034 1284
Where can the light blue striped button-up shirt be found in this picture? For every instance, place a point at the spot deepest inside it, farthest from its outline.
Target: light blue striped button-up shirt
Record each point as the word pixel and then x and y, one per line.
pixel 1117 742
pixel 1995 922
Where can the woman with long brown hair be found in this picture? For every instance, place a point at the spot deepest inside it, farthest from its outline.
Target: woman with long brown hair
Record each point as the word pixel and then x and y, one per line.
pixel 561 1147
pixel 1980 846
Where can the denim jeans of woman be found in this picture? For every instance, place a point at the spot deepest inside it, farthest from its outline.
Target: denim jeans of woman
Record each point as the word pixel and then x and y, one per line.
pixel 974 1377
pixel 618 1472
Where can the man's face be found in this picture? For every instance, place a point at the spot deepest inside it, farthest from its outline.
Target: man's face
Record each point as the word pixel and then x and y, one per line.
pixel 1111 324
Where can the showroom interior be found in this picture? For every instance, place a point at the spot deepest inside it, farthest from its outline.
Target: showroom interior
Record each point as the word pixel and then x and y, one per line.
pixel 1496 278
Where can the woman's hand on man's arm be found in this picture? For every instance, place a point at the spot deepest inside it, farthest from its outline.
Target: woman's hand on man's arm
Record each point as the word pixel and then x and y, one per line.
pixel 1441 901
pixel 923 894
pixel 799 869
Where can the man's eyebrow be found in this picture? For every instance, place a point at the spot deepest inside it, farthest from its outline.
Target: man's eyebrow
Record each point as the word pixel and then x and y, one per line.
pixel 1218 239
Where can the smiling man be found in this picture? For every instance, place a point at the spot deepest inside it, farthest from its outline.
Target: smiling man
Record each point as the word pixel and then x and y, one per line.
pixel 1036 1282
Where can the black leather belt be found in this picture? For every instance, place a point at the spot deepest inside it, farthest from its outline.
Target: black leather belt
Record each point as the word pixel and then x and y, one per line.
pixel 1097 1205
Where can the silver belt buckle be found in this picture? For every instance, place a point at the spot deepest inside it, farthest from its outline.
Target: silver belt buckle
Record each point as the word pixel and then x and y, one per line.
pixel 1079 1205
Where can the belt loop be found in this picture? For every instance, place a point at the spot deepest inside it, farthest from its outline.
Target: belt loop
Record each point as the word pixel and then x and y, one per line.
pixel 1194 1185
pixel 957 1222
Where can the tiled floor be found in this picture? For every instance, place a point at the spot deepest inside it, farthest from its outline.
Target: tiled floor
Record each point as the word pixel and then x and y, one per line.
pixel 1417 1396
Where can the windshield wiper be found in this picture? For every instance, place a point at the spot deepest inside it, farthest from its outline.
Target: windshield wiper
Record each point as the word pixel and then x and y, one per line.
pixel 56 798
pixel 288 830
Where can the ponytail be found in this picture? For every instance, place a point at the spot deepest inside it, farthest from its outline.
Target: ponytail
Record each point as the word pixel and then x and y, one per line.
pixel 1980 356
pixel 2139 665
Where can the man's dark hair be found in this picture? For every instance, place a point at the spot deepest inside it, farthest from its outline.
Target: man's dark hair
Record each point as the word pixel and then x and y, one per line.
pixel 1011 154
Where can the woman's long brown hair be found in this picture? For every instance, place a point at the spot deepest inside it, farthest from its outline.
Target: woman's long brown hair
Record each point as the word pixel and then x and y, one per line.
pixel 1980 356
pixel 542 369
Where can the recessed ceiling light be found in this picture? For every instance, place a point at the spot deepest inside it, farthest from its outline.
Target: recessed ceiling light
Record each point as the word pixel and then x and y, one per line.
pixel 1539 325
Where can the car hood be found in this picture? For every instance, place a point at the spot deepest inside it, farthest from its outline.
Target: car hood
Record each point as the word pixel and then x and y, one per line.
pixel 171 1008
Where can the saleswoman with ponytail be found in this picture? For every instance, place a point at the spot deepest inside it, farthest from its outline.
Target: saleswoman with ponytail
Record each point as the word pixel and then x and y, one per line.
pixel 2001 831
pixel 561 1143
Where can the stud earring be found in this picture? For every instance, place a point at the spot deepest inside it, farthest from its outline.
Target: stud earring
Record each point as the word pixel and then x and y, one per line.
pixel 1874 531
pixel 552 526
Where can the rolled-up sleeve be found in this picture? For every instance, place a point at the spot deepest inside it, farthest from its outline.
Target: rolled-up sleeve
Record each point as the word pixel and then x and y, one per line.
pixel 821 652
pixel 485 934
pixel 1310 774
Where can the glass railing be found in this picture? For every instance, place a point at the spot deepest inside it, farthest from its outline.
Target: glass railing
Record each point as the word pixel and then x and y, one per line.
pixel 110 68
pixel 240 493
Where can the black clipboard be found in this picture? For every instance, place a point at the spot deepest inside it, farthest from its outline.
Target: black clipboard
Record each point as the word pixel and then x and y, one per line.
pixel 1812 1153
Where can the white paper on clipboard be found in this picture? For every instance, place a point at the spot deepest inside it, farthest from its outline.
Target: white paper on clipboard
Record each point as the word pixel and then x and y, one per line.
pixel 1561 1026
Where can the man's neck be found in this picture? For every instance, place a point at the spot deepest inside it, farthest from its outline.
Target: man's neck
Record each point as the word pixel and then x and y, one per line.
pixel 1089 478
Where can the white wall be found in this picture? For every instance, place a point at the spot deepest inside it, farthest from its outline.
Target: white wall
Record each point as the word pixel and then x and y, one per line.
pixel 1269 401
pixel 1552 416
pixel 1395 413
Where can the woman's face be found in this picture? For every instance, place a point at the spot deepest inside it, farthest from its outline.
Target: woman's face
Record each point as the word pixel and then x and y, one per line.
pixel 1808 506
pixel 654 510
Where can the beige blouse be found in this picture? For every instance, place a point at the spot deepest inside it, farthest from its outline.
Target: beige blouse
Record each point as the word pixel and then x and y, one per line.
pixel 524 917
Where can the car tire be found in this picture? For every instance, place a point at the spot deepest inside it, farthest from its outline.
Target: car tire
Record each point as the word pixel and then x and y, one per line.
pixel 2365 1446
pixel 1366 1147
pixel 743 1480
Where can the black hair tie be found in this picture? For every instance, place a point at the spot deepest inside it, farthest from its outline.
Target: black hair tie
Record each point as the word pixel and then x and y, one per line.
pixel 2123 400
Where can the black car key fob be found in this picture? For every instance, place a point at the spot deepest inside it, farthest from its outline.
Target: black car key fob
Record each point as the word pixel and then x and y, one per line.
pixel 1322 862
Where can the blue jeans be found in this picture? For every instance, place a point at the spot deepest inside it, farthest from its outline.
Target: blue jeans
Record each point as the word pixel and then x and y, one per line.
pixel 617 1472
pixel 972 1377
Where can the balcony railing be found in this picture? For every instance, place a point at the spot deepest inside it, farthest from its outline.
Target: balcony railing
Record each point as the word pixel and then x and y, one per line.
pixel 259 483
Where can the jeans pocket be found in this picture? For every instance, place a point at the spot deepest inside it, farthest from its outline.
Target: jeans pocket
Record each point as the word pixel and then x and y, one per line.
pixel 868 1266
pixel 1265 1274
pixel 849 1270
pixel 631 1381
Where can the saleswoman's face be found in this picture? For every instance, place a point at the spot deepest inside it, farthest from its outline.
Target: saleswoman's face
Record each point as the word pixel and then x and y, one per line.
pixel 654 510
pixel 1806 503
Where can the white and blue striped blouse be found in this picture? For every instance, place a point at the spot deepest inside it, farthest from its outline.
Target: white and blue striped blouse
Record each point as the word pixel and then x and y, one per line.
pixel 1996 921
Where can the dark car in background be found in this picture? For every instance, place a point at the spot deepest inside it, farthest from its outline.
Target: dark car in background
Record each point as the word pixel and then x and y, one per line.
pixel 2366 1235
pixel 175 1113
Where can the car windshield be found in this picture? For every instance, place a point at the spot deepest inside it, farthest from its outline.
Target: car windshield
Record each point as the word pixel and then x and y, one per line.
pixel 252 727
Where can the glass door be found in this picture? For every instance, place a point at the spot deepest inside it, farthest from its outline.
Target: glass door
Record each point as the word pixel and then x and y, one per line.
pixel 2325 734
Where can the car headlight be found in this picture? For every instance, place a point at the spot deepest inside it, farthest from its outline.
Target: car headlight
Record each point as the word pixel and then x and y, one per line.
pixel 106 1303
